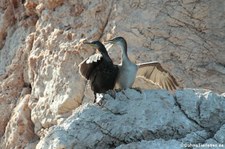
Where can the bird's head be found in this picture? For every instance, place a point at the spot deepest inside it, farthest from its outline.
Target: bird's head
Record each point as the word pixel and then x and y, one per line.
pixel 97 45
pixel 117 40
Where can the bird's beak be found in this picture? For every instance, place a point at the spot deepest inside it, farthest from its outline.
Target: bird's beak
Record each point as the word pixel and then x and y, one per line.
pixel 85 42
pixel 89 43
pixel 109 41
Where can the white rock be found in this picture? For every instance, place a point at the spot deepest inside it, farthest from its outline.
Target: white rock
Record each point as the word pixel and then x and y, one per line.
pixel 134 117
pixel 41 47
pixel 158 143
pixel 204 107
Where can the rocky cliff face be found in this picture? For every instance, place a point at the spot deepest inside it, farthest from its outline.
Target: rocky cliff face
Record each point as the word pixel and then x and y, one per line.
pixel 42 92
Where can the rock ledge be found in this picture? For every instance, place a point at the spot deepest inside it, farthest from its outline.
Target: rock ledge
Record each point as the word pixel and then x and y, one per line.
pixel 152 119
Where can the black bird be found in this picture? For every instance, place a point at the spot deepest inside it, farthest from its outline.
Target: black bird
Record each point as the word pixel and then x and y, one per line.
pixel 151 71
pixel 99 69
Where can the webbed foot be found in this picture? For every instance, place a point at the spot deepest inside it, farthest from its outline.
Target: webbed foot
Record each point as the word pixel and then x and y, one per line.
pixel 138 89
pixel 112 93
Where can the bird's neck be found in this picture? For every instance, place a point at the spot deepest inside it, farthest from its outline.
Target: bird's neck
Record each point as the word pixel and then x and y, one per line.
pixel 104 52
pixel 124 55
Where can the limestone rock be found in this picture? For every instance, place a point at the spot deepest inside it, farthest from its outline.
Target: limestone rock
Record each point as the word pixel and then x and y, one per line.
pixel 14 51
pixel 51 4
pixel 187 37
pixel 134 117
pixel 57 87
pixel 41 47
pixel 19 131
pixel 158 143
pixel 12 84
pixel 202 110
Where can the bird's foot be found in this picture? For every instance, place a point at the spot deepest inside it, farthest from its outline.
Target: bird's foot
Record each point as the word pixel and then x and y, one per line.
pixel 112 93
pixel 118 90
pixel 98 98
pixel 138 89
pixel 135 88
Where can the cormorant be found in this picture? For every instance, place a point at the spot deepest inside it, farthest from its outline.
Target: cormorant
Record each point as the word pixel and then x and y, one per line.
pixel 151 71
pixel 99 69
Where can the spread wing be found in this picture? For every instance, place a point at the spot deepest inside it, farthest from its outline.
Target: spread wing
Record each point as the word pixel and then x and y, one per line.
pixel 154 72
pixel 87 65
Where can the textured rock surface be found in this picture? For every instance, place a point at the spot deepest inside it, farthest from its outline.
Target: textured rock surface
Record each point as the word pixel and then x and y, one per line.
pixel 186 36
pixel 143 118
pixel 158 143
pixel 41 47
pixel 19 130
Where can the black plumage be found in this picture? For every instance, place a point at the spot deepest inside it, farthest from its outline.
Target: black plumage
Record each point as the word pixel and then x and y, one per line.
pixel 99 69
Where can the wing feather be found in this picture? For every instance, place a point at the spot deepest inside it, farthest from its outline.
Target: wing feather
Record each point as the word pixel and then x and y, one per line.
pixel 154 72
pixel 87 65
pixel 152 75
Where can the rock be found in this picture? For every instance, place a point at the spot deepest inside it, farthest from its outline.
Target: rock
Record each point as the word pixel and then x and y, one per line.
pixel 202 110
pixel 51 4
pixel 219 137
pixel 53 98
pixel 182 35
pixel 12 85
pixel 196 137
pixel 57 87
pixel 41 45
pixel 217 141
pixel 19 130
pixel 149 118
pixel 158 143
